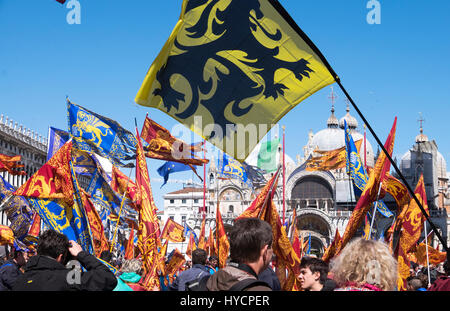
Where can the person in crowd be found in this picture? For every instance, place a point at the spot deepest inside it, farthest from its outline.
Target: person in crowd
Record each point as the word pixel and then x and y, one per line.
pixel 270 277
pixel 47 271
pixel 197 271
pixel 11 270
pixel 313 274
pixel 442 283
pixel 213 264
pixel 107 256
pixel 130 275
pixel 423 277
pixel 415 284
pixel 250 254
pixel 365 265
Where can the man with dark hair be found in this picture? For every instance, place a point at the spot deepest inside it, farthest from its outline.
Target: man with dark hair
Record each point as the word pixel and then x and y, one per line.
pixel 250 252
pixel 10 271
pixel 212 264
pixel 313 273
pixel 197 271
pixel 47 271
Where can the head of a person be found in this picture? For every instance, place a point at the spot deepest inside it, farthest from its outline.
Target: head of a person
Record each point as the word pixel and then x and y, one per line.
pixel 423 277
pixel 365 262
pixel 199 257
pixel 132 266
pixel 213 261
pixel 251 243
pixel 106 256
pixel 53 244
pixel 20 256
pixel 313 273
pixel 414 284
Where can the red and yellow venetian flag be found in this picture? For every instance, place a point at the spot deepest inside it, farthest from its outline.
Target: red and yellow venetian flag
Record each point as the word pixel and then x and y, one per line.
pixel 211 244
pixel 223 245
pixel 191 246
pixel 100 242
pixel 201 238
pixel 129 250
pixel 53 180
pixel 435 257
pixel 121 183
pixel 148 231
pixel 164 146
pixel 256 208
pixel 331 250
pixel 10 164
pixel 162 257
pixel 173 231
pixel 35 228
pixel 369 195
pixel 329 160
pixel 175 263
pixel 6 235
pixel 281 245
pixel 397 189
pixel 411 228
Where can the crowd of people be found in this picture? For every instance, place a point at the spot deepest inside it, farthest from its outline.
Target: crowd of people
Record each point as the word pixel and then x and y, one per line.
pixel 363 265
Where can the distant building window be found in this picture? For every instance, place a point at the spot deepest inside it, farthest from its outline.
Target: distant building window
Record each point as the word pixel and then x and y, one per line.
pixel 183 219
pixel 231 209
pixel 172 201
pixel 172 217
pixel 183 201
pixel 195 200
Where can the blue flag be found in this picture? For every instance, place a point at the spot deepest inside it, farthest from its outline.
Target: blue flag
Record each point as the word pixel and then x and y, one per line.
pixel 171 167
pixel 383 209
pixel 95 133
pixel 231 168
pixel 354 164
pixel 188 230
pixel 309 245
pixel 56 139
pixel 16 209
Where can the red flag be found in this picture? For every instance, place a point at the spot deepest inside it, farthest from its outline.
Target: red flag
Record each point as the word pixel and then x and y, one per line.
pixel 53 180
pixel 211 244
pixel 331 250
pixel 175 263
pixel 369 195
pixel 148 231
pixel 35 227
pixel 129 251
pixel 191 245
pixel 121 183
pixel 259 203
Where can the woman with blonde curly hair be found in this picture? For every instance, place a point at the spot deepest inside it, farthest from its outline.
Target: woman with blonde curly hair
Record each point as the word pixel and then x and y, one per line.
pixel 365 265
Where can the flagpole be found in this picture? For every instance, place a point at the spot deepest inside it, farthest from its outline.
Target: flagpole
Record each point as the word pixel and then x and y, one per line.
pixel 365 150
pixel 433 227
pixel 120 211
pixel 284 178
pixel 426 247
pixel 374 212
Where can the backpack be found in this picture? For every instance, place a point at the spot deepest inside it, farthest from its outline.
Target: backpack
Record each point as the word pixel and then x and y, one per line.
pixel 200 284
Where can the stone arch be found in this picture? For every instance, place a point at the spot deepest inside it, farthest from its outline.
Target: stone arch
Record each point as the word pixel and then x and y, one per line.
pixel 318 224
pixel 297 177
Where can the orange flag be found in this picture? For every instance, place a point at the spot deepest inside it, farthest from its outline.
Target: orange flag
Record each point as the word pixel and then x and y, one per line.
pixel 369 195
pixel 397 189
pixel 162 257
pixel 148 231
pixel 6 235
pixel 176 262
pixel 211 243
pixel 191 246
pixel 53 180
pixel 201 238
pixel 435 257
pixel 129 251
pixel 173 231
pixel 331 250
pixel 10 164
pixel 411 228
pixel 35 227
pixel 223 245
pixel 329 160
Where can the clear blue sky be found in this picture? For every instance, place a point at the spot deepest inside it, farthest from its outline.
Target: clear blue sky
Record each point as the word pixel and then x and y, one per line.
pixel 397 68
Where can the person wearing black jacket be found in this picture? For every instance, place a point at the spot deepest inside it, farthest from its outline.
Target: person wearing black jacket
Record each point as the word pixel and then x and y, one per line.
pixel 47 271
pixel 10 270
